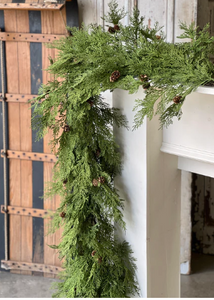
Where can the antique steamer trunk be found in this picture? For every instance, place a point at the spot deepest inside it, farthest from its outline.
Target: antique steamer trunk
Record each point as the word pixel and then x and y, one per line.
pixel 26 164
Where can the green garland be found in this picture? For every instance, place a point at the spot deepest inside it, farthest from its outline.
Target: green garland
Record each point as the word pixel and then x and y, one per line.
pixel 91 61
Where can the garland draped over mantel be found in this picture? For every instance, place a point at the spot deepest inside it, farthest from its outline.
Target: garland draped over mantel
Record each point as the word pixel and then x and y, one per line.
pixel 91 61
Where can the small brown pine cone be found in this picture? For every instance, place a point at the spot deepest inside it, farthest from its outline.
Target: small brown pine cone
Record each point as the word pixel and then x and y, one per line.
pixel 177 99
pixel 116 27
pixel 158 37
pixel 114 76
pixel 95 182
pixel 111 29
pixel 66 128
pixel 90 102
pixel 64 183
pixel 101 179
pixel 46 96
pixel 93 253
pixel 98 153
pixel 144 77
pixel 100 260
pixel 62 214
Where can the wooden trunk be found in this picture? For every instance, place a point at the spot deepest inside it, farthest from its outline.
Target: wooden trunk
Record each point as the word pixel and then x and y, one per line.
pixel 30 161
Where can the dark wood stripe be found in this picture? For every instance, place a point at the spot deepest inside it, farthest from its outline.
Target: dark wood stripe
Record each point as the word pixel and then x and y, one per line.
pixel 17 265
pixel 72 15
pixel 31 6
pixel 27 37
pixel 37 146
pixel 18 1
pixel 26 211
pixel 2 237
pixel 2 241
pixel 18 98
pixel 32 156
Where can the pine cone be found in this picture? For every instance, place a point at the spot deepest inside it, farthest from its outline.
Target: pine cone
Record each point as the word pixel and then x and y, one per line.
pixel 111 29
pixel 158 37
pixel 144 77
pixel 62 214
pixel 90 102
pixel 116 27
pixel 114 76
pixel 177 99
pixel 98 153
pixel 46 96
pixel 95 182
pixel 64 182
pixel 66 128
pixel 93 253
pixel 100 260
pixel 101 179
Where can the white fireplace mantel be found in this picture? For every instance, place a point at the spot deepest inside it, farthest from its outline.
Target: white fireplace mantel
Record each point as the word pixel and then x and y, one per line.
pixel 192 137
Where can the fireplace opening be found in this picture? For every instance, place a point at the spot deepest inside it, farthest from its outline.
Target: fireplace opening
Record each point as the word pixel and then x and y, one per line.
pixel 197 236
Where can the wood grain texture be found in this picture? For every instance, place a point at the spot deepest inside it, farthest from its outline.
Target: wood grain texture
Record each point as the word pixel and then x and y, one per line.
pixel 14 139
pixel 26 37
pixel 18 98
pixel 25 137
pixel 52 23
pixel 32 156
pixel 9 264
pixel 30 6
pixel 33 212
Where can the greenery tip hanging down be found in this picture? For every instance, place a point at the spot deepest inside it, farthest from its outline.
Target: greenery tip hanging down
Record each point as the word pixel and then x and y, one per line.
pixel 92 60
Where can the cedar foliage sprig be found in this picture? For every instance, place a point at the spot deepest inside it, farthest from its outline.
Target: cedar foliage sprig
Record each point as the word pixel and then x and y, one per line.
pixel 96 263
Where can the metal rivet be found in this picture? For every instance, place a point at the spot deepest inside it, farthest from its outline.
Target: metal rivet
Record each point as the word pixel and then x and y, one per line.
pixel 34 211
pixel 29 213
pixel 18 212
pixel 23 153
pixel 23 209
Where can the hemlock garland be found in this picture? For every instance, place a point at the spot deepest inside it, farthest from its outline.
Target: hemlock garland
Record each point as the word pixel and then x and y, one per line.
pixel 91 61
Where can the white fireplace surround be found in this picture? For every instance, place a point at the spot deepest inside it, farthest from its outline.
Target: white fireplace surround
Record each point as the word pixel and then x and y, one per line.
pixel 151 185
pixel 192 138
